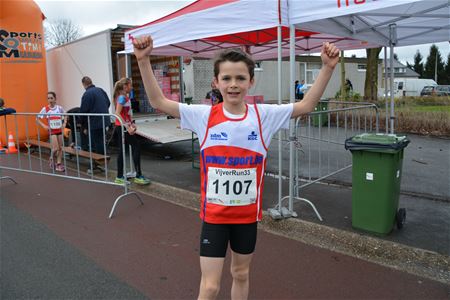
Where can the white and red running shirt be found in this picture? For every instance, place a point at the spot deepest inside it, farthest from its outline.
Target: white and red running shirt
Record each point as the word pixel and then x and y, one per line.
pixel 233 152
pixel 55 122
pixel 126 112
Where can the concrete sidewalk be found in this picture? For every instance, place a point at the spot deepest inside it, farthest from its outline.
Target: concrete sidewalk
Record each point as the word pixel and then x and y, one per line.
pixel 60 244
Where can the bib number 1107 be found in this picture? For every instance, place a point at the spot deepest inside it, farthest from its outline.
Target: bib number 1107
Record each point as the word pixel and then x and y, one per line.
pixel 237 187
pixel 231 187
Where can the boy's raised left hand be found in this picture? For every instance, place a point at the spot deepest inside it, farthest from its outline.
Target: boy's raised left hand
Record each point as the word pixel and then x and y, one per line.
pixel 143 46
pixel 330 55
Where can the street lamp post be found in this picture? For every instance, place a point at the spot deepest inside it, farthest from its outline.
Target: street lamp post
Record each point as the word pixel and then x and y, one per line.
pixel 435 67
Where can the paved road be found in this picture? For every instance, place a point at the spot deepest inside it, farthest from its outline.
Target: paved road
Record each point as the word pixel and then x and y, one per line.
pixel 426 164
pixel 58 244
pixel 427 224
pixel 426 161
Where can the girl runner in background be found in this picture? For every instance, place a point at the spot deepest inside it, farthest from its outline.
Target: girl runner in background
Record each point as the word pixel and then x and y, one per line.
pixel 55 125
pixel 123 110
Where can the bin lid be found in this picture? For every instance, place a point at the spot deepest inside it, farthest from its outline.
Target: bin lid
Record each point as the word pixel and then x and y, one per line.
pixel 376 141
pixel 378 138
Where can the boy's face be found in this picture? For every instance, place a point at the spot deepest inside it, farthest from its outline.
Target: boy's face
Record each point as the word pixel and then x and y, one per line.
pixel 233 81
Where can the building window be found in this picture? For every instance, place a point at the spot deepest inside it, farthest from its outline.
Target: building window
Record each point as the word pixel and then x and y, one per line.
pixel 312 71
pixel 362 67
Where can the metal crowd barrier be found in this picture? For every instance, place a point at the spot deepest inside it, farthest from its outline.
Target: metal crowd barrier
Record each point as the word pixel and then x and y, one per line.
pixel 318 141
pixel 79 158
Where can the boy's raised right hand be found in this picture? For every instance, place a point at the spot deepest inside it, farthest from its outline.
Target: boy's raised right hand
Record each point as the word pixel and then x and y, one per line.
pixel 143 46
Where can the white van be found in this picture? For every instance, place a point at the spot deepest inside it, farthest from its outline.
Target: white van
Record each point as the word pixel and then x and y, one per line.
pixel 411 86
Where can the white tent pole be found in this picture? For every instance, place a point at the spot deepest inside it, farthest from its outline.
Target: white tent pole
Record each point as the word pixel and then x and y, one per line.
pixel 280 142
pixel 392 42
pixel 128 75
pixel 386 90
pixel 391 63
pixel 127 65
pixel 292 122
pixel 181 79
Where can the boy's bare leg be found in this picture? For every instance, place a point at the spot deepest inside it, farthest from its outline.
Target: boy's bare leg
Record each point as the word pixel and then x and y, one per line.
pixel 240 268
pixel 211 268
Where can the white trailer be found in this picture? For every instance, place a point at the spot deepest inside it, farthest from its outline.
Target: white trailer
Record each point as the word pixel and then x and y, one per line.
pixel 67 64
pixel 97 56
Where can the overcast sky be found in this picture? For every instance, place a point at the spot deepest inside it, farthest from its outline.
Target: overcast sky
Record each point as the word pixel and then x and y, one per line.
pixel 95 16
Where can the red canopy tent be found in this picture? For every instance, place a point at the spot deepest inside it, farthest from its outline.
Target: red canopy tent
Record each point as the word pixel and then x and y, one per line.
pixel 204 27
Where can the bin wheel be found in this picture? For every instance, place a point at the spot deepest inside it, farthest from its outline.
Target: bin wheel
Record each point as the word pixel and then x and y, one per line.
pixel 400 218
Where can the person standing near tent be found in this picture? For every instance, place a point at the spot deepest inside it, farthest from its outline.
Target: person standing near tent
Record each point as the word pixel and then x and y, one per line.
pixel 300 90
pixel 55 125
pixel 297 96
pixel 123 110
pixel 95 100
pixel 234 139
pixel 214 95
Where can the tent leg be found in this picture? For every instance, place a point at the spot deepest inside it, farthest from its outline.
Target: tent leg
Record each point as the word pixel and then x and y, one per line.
pixel 386 91
pixel 292 122
pixel 392 43
pixel 276 214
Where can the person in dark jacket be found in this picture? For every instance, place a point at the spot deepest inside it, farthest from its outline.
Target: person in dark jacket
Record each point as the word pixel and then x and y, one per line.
pixel 95 100
pixel 74 123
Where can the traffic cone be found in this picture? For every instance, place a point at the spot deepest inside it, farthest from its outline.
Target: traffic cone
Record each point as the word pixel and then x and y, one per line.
pixel 11 146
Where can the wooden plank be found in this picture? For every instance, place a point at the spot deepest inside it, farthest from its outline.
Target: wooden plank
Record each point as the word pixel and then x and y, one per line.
pixel 95 156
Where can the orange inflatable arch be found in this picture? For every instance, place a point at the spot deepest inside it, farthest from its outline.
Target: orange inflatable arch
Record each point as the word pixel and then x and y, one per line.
pixel 23 76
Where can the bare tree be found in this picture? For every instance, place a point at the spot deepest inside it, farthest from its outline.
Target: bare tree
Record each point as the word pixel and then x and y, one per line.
pixel 61 31
pixel 371 83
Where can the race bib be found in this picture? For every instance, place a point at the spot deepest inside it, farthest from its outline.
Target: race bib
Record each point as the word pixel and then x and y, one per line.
pixel 231 187
pixel 55 123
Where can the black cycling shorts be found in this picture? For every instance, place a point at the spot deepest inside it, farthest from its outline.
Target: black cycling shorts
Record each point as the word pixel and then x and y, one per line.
pixel 214 239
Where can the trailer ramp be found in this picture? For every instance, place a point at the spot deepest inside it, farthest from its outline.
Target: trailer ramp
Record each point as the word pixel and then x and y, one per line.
pixel 162 130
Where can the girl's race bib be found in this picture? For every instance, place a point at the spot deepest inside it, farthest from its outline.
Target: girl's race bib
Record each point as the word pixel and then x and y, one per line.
pixel 55 122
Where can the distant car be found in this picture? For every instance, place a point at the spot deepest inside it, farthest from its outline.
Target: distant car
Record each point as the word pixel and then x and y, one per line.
pixel 437 90
pixel 443 90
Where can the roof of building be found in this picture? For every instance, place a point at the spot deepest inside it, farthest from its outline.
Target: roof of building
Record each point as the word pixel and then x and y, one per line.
pixel 400 70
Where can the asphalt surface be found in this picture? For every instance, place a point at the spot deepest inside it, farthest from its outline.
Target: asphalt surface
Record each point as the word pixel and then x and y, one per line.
pixel 428 213
pixel 57 243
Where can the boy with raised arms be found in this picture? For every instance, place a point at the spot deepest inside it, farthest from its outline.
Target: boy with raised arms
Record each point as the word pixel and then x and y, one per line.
pixel 234 138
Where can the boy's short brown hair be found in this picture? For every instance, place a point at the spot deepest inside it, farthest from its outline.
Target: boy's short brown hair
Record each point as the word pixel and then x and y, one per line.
pixel 2 102
pixel 234 55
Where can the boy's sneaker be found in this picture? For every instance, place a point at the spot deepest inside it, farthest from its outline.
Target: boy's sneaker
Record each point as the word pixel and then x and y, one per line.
pixel 141 180
pixel 121 180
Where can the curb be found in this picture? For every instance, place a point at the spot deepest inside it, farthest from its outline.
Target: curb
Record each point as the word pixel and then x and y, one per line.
pixel 416 261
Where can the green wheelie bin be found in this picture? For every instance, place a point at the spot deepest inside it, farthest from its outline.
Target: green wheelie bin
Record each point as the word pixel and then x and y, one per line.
pixel 376 175
pixel 322 118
